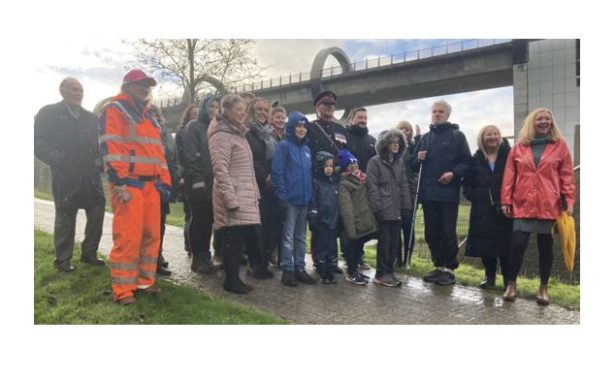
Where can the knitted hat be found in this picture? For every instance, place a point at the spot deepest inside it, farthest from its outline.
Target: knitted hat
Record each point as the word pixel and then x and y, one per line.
pixel 346 158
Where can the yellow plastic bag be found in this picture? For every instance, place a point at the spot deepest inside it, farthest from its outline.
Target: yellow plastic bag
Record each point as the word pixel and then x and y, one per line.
pixel 564 225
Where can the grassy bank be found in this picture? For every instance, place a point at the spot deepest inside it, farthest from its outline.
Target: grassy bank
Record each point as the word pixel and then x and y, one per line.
pixel 568 296
pixel 84 297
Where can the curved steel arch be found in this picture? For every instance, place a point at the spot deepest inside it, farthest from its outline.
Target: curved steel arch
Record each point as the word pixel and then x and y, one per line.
pixel 318 65
pixel 222 90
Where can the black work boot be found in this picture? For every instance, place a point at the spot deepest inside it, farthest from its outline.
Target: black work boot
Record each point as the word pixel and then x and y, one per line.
pixel 201 263
pixel 232 282
pixel 288 278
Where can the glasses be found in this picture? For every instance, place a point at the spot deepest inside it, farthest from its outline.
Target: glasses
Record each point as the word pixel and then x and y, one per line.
pixel 329 104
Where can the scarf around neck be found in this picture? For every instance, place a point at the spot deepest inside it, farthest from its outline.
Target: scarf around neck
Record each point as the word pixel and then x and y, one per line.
pixel 265 134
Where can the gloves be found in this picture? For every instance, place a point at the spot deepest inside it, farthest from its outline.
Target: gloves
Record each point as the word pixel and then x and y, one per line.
pixel 283 204
pixel 312 216
pixel 406 214
pixel 379 215
pixel 164 190
pixel 122 193
pixel 197 193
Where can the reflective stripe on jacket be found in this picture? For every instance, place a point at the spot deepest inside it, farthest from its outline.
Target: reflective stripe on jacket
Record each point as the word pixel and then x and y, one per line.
pixel 130 143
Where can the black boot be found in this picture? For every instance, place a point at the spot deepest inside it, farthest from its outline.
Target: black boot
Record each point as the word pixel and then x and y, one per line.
pixel 162 262
pixel 201 263
pixel 162 270
pixel 232 282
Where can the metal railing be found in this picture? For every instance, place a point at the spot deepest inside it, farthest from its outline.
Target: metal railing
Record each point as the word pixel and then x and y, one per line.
pixel 372 63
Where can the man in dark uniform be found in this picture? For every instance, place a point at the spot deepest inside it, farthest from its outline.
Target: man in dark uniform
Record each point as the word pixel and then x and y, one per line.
pixel 66 139
pixel 325 134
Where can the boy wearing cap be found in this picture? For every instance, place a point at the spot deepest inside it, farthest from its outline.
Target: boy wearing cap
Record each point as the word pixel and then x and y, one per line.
pixel 359 222
pixel 291 174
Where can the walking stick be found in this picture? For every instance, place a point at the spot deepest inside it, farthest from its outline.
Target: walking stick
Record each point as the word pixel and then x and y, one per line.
pixel 416 201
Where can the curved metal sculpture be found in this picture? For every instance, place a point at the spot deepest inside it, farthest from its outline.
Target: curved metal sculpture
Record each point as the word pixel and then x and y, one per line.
pixel 318 66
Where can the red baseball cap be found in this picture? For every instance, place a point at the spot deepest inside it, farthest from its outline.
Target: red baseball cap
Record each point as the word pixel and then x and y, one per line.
pixel 137 75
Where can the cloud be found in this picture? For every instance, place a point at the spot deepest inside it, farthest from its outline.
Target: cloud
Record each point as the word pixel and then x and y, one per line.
pixel 289 56
pixel 471 110
pixel 100 64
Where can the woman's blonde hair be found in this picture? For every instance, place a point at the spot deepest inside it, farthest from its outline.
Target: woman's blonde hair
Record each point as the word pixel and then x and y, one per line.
pixel 481 133
pixel 251 119
pixel 527 134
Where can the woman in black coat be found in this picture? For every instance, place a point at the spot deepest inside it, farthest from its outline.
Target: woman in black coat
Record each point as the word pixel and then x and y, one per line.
pixel 490 231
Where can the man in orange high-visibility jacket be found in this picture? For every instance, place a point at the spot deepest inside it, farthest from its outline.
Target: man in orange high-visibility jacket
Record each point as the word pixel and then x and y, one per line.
pixel 134 160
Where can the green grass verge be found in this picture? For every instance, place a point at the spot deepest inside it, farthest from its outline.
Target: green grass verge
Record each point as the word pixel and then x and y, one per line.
pixel 568 296
pixel 84 297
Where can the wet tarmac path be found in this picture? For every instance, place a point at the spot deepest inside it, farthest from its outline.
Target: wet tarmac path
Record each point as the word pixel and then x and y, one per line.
pixel 415 302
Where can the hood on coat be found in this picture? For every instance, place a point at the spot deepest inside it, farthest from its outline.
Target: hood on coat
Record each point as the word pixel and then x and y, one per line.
pixel 203 116
pixel 385 138
pixel 442 127
pixel 293 119
pixel 321 159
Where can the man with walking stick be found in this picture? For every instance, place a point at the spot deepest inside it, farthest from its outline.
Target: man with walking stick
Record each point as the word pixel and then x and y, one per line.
pixel 442 158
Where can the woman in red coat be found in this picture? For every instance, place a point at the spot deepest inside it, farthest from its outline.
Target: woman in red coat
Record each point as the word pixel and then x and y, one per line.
pixel 538 174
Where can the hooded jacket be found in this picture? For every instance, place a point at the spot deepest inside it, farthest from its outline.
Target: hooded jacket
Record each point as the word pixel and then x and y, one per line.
pixel 387 183
pixel 196 156
pixel 447 151
pixel 534 191
pixel 325 204
pixel 357 217
pixel 490 231
pixel 235 192
pixel 361 144
pixel 291 171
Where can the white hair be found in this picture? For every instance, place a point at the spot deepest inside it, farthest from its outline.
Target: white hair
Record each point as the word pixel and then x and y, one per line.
pixel 444 104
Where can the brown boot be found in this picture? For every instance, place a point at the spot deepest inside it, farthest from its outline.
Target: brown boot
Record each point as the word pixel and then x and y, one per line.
pixel 510 295
pixel 543 295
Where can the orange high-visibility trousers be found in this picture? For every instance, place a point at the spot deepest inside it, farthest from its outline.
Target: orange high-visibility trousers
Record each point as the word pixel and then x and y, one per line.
pixel 136 240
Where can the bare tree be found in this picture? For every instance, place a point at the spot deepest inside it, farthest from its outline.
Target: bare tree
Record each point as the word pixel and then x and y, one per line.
pixel 199 65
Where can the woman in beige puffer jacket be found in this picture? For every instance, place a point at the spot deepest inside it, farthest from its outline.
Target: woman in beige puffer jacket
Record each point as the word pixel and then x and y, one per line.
pixel 235 191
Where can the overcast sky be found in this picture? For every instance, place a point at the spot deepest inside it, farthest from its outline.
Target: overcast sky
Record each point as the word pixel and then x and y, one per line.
pixel 99 64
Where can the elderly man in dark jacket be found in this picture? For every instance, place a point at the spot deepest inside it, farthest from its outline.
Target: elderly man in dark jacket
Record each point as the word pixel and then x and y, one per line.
pixel 445 157
pixel 198 181
pixel 66 139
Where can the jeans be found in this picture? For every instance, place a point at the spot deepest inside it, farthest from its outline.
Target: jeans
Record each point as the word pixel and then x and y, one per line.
pixel 293 238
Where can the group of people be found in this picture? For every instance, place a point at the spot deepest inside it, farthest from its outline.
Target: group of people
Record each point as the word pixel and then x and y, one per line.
pixel 253 178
